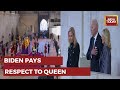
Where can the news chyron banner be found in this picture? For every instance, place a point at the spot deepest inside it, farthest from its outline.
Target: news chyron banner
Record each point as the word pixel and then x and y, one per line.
pixel 34 66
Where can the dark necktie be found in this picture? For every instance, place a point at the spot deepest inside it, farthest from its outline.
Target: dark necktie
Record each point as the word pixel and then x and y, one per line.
pixel 93 41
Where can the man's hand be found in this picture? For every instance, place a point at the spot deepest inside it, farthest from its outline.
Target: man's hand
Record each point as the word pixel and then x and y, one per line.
pixel 94 51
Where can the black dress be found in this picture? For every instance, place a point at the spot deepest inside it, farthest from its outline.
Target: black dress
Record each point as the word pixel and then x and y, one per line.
pixel 73 55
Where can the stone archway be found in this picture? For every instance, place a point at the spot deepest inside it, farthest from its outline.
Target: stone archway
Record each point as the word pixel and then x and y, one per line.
pixel 43 18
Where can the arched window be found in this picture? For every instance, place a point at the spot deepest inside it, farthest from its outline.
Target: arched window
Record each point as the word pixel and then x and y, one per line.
pixel 43 25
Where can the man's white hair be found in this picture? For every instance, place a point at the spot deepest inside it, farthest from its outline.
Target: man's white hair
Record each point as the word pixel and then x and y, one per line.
pixel 95 21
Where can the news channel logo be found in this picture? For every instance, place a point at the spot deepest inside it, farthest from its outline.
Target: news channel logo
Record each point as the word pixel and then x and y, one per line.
pixel 111 20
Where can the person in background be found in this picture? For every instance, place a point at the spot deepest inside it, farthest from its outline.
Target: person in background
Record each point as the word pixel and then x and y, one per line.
pixel 17 37
pixel 56 46
pixel 58 37
pixel 12 49
pixel 7 48
pixel 37 44
pixel 33 51
pixel 48 47
pixel 45 50
pixel 105 57
pixel 12 37
pixel 3 50
pixel 20 46
pixel 16 46
pixel 0 49
pixel 95 47
pixel 33 41
pixel 73 49
pixel 9 38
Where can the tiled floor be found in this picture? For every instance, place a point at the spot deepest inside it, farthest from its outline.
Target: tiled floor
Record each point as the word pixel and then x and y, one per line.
pixel 52 53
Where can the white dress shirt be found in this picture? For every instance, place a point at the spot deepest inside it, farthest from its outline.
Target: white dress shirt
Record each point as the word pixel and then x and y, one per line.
pixel 95 37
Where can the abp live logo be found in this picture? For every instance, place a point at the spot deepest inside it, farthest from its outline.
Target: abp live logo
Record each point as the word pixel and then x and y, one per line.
pixel 111 20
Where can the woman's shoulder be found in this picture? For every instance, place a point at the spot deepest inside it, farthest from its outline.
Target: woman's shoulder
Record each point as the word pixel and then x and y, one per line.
pixel 77 47
pixel 77 44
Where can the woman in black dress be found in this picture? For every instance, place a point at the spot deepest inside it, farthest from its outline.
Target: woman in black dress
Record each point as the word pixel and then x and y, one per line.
pixel 105 58
pixel 73 49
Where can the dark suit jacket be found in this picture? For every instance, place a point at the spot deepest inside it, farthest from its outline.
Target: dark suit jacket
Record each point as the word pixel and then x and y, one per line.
pixel 73 55
pixel 95 58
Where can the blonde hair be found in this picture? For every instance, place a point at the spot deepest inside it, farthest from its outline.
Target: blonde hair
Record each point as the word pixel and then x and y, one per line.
pixel 106 34
pixel 72 30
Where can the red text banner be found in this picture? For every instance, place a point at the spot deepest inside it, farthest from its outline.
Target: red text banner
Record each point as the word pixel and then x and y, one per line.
pixel 47 72
pixel 19 60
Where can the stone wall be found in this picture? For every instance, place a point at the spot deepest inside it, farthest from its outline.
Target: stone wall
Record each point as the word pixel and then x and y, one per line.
pixel 8 24
pixel 25 22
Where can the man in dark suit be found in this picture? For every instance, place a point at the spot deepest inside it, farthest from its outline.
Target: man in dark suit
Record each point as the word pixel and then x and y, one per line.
pixel 95 47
